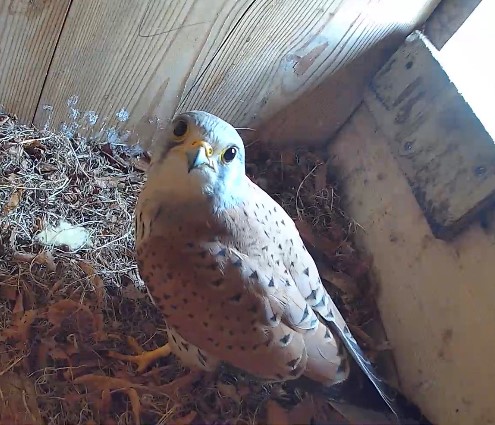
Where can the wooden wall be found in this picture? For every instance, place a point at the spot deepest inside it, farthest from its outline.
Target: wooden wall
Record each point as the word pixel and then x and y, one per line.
pixel 436 298
pixel 29 31
pixel 119 69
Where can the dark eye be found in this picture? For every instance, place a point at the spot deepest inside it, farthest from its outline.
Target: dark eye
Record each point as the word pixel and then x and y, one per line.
pixel 180 128
pixel 229 154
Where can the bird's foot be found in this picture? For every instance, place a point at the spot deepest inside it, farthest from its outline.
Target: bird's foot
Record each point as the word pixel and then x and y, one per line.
pixel 143 358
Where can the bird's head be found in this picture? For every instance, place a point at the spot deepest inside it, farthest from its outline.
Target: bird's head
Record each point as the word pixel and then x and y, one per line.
pixel 202 156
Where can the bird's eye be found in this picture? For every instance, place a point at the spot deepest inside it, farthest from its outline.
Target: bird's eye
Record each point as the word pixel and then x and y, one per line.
pixel 229 154
pixel 180 128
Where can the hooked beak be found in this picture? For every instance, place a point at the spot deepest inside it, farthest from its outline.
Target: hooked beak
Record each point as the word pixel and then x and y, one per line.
pixel 199 154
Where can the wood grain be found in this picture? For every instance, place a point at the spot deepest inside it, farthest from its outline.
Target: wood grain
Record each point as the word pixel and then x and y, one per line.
pixel 436 298
pixel 242 60
pixel 374 31
pixel 447 19
pixel 132 56
pixel 440 144
pixel 29 30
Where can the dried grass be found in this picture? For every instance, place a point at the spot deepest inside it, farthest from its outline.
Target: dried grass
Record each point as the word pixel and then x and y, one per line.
pixel 61 311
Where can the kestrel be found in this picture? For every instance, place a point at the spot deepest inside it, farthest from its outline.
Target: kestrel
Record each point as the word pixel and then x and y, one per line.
pixel 228 269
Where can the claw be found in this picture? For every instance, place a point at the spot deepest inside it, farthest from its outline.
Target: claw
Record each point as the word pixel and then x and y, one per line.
pixel 144 358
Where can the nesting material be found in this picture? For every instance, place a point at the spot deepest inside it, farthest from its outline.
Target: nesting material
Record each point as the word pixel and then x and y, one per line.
pixel 70 290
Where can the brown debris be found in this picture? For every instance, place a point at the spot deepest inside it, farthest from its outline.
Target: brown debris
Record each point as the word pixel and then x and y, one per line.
pixel 14 200
pixel 61 312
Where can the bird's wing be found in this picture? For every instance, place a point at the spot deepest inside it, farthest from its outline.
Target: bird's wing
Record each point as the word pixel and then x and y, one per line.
pixel 302 269
pixel 242 287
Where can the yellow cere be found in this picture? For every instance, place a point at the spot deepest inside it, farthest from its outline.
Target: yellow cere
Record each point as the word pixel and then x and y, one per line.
pixel 206 145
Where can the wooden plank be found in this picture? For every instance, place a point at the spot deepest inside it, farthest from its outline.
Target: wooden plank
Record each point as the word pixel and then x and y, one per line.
pixel 376 29
pixel 242 60
pixel 436 298
pixel 443 149
pixel 130 56
pixel 29 30
pixel 447 18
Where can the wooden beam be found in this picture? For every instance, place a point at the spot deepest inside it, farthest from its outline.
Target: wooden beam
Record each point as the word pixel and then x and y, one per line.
pixel 377 30
pixel 242 60
pixel 29 31
pixel 121 65
pixel 442 147
pixel 436 298
pixel 447 18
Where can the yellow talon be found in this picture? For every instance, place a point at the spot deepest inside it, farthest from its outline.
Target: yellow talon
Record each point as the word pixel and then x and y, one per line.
pixel 143 358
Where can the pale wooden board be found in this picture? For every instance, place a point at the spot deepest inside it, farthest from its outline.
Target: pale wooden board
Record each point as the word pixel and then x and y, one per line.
pixel 29 30
pixel 242 60
pixel 443 149
pixel 130 55
pixel 436 298
pixel 375 31
pixel 447 19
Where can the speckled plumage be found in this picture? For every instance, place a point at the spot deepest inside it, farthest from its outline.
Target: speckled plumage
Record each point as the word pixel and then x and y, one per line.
pixel 230 272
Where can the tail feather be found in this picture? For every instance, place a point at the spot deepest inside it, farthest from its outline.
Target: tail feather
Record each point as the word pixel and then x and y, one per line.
pixel 359 402
pixel 371 391
pixel 365 398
